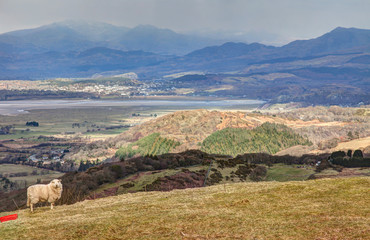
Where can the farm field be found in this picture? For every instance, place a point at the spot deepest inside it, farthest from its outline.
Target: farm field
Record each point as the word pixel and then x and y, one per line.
pixel 43 174
pixel 90 119
pixel 71 121
pixel 282 172
pixel 316 209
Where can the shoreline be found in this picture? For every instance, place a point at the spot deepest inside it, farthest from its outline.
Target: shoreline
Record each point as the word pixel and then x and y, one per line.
pixel 16 107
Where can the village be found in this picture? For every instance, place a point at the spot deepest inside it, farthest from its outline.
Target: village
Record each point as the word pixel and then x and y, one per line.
pixel 68 85
pixel 54 156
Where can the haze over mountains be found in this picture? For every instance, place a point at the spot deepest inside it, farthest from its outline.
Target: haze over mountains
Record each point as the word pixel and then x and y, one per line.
pixel 77 49
pixel 79 36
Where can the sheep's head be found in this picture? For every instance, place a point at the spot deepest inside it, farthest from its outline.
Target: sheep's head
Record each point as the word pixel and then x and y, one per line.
pixel 56 183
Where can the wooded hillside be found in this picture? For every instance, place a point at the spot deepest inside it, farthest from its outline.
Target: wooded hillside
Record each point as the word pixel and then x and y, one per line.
pixel 268 138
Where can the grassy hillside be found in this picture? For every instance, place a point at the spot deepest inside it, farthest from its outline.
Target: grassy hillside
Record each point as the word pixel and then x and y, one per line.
pixel 153 144
pixel 187 127
pixel 268 137
pixel 317 209
pixel 191 128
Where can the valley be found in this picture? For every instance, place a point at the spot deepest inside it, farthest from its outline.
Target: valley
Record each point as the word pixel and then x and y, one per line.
pixel 23 176
pixel 159 147
pixel 157 134
pixel 114 124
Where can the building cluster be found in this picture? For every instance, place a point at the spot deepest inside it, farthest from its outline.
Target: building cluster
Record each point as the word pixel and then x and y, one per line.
pixel 53 156
pixel 97 88
pixel 100 89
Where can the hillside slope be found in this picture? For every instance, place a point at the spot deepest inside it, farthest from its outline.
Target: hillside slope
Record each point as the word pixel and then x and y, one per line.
pixel 153 144
pixel 268 137
pixel 317 209
pixel 192 127
pixel 187 127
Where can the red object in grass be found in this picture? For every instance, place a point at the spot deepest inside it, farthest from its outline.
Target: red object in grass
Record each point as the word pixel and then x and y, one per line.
pixel 8 218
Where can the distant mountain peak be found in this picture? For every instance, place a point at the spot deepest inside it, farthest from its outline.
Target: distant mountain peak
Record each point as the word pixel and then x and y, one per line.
pixel 338 40
pixel 339 28
pixel 232 44
pixel 229 49
pixel 343 30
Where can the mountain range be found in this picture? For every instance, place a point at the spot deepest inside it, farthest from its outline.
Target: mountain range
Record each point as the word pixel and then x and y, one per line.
pixel 336 61
pixel 78 49
pixel 79 36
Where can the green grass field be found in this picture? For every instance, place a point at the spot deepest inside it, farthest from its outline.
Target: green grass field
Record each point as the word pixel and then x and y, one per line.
pixel 282 172
pixel 59 121
pixel 33 133
pixel 316 209
pixel 31 179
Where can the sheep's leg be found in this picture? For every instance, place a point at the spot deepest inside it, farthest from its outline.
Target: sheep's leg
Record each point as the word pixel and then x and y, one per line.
pixel 51 205
pixel 31 205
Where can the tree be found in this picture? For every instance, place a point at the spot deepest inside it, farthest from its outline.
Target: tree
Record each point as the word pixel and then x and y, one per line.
pixel 338 154
pixel 358 154
pixel 82 167
pixel 350 135
pixel 258 174
pixel 117 170
pixel 357 134
pixel 349 153
pixel 215 177
pixel 32 124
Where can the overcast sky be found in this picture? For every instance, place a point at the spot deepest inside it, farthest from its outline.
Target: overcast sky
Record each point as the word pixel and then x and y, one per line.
pixel 266 20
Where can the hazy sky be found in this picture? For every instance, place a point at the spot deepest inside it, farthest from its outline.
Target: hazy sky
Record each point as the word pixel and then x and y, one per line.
pixel 274 20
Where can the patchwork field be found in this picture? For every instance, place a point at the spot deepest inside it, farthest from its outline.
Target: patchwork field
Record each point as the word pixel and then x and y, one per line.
pixel 43 175
pixel 74 117
pixel 70 121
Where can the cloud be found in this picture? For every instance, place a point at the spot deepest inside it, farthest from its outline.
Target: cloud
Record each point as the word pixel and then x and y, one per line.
pixel 288 18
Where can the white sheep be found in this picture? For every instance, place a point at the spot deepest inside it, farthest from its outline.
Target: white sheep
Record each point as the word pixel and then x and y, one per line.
pixel 44 192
